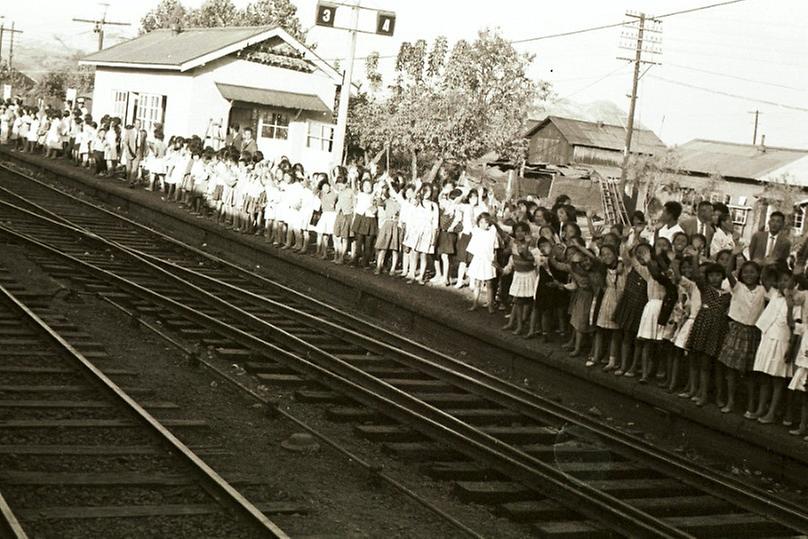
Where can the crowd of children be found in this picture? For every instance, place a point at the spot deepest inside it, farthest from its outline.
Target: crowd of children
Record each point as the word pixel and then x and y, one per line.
pixel 682 304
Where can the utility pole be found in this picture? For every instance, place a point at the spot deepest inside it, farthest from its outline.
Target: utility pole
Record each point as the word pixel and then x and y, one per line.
pixel 2 30
pixel 98 25
pixel 385 26
pixel 11 48
pixel 754 135
pixel 345 90
pixel 12 31
pixel 643 44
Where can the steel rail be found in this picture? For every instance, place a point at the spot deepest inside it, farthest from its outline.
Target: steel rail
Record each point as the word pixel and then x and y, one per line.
pixel 220 489
pixel 517 399
pixel 10 527
pixel 484 384
pixel 273 409
pixel 422 417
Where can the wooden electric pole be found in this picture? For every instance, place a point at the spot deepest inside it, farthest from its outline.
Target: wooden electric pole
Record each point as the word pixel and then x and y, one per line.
pixel 385 26
pixel 11 47
pixel 98 26
pixel 643 44
pixel 754 133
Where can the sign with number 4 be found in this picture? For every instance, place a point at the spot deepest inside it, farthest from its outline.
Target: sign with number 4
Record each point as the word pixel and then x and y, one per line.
pixel 326 12
pixel 385 23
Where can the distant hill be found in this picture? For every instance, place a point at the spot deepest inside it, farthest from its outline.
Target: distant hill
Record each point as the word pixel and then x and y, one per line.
pixel 37 55
pixel 596 111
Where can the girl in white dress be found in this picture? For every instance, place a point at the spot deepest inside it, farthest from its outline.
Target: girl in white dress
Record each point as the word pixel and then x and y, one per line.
pixel 54 138
pixel 328 215
pixel 407 206
pixel 180 164
pixel 424 223
pixel 799 382
pixel 5 116
pixel 292 204
pixel 111 139
pixel 32 133
pixel 690 296
pixel 85 140
pixel 775 323
pixel 273 194
pixel 482 270
pixel 309 205
pixel 522 262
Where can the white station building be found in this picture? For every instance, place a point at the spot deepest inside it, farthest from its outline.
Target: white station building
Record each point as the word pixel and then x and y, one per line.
pixel 197 81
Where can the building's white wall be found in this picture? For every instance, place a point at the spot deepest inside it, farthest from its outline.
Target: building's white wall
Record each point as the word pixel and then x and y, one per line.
pixel 175 86
pixel 255 75
pixel 206 97
pixel 192 100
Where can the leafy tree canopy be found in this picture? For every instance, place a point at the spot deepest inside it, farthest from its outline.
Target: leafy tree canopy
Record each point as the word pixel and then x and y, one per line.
pixel 54 84
pixel 215 13
pixel 448 105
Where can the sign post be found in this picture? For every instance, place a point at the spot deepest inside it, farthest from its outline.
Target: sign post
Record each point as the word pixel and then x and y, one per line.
pixel 385 26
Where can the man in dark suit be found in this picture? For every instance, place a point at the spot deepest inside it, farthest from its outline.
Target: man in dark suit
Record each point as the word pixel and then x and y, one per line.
pixel 772 246
pixel 248 144
pixel 702 223
pixel 134 148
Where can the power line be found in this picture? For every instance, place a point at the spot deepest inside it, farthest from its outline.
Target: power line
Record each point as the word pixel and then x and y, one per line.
pixel 728 94
pixel 604 77
pixel 585 30
pixel 624 23
pixel 746 58
pixel 744 79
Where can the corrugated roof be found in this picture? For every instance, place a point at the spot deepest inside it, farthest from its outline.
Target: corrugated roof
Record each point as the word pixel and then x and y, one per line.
pixel 274 98
pixel 602 135
pixel 169 48
pixel 734 160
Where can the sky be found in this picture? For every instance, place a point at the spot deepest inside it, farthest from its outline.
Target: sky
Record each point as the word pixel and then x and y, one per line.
pixel 755 49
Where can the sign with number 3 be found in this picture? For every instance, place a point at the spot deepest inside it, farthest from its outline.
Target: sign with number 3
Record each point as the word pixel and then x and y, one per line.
pixel 326 13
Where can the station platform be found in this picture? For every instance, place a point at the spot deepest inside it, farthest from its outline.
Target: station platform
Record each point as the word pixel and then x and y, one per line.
pixel 439 314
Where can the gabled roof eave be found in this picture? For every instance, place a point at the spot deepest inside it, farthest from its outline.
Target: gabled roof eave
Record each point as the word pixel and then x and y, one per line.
pixel 310 55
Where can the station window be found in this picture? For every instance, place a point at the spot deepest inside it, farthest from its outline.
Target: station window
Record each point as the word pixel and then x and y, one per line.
pixel 151 110
pixel 119 103
pixel 274 125
pixel 739 214
pixel 320 137
pixel 799 219
pixel 720 197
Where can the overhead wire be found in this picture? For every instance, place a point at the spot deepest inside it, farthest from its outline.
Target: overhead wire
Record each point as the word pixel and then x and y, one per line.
pixel 729 94
pixel 735 77
pixel 624 23
pixel 604 77
pixel 588 29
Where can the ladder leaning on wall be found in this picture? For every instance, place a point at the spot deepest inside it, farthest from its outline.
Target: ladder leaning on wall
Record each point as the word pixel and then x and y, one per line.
pixel 612 201
pixel 214 135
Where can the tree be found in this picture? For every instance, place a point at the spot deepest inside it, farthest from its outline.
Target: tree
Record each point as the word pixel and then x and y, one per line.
pixel 449 106
pixel 219 13
pixel 212 14
pixel 54 84
pixel 653 179
pixel 280 12
pixel 166 13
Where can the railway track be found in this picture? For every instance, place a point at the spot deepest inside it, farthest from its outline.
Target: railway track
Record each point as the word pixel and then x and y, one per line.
pixel 77 452
pixel 535 460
